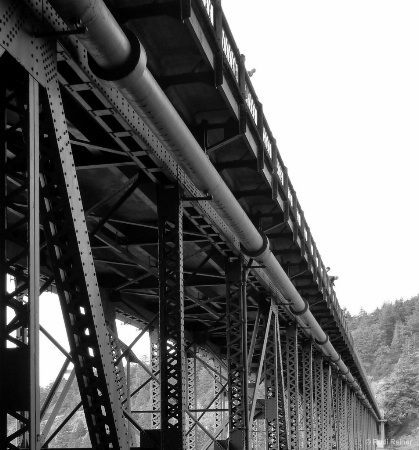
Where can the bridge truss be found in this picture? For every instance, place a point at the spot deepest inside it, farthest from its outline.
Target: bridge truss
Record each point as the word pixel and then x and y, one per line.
pixel 99 205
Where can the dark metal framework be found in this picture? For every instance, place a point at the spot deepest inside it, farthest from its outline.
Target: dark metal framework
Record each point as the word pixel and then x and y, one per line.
pixel 173 268
pixel 237 354
pixel 19 200
pixel 293 386
pixel 171 310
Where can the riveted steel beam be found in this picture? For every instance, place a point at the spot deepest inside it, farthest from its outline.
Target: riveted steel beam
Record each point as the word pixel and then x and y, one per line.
pixel 171 325
pixel 237 355
pixel 75 279
pixel 19 204
pixel 308 393
pixel 293 386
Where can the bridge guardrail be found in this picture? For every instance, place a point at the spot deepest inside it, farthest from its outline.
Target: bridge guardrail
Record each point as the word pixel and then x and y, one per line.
pixel 235 63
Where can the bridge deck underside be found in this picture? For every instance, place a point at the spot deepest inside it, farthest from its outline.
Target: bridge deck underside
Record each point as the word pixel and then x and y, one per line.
pixel 118 177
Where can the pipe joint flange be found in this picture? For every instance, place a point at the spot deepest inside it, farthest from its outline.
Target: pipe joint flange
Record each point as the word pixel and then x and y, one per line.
pixel 300 313
pixel 336 360
pixel 322 342
pixel 259 252
pixel 345 373
pixel 137 57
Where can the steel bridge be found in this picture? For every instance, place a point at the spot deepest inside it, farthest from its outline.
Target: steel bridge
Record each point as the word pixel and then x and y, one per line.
pixel 141 182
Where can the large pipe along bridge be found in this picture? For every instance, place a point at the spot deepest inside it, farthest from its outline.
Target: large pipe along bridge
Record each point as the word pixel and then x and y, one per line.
pixel 140 182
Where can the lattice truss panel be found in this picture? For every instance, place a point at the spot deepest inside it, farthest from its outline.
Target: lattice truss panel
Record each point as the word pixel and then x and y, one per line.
pixel 271 388
pixel 303 407
pixel 237 356
pixel 308 391
pixel 319 435
pixel 18 255
pixel 293 386
pixel 327 407
pixel 283 423
pixel 172 345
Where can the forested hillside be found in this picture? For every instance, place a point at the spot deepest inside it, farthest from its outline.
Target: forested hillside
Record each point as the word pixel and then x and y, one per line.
pixel 387 340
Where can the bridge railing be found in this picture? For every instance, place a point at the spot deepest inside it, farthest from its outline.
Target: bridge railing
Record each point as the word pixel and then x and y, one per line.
pixel 234 62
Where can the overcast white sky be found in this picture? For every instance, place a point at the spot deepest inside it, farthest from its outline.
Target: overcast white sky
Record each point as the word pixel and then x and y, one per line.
pixel 339 83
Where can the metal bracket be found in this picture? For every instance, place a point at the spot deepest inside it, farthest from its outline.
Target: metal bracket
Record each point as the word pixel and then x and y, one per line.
pixel 192 199
pixel 57 34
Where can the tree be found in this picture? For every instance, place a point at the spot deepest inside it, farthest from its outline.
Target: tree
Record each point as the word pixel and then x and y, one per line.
pixel 402 389
pixel 368 339
pixel 387 321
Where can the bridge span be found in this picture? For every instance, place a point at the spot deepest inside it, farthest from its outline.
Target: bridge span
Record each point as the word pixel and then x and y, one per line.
pixel 141 182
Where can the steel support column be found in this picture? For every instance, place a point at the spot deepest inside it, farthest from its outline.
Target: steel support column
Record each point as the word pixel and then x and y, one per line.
pixel 239 438
pixel 327 440
pixel 308 393
pixel 192 401
pixel 334 416
pixel 282 409
pixel 271 389
pixel 349 421
pixel 155 386
pixel 293 386
pixel 171 301
pixel 343 415
pixel 19 203
pixel 219 403
pixel 318 401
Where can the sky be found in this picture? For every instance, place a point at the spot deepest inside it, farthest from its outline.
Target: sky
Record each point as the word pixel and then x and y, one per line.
pixel 51 318
pixel 339 84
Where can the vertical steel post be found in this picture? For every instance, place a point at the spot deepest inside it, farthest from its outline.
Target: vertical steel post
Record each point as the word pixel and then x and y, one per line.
pixel 267 324
pixel 319 441
pixel 171 307
pixel 220 399
pixel 292 386
pixel 239 438
pixel 33 261
pixel 128 377
pixel 271 389
pixel 282 427
pixel 327 432
pixel 308 392
pixel 349 429
pixel 357 428
pixel 191 384
pixel 3 263
pixel 155 386
pixel 19 221
pixel 344 414
pixel 334 416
